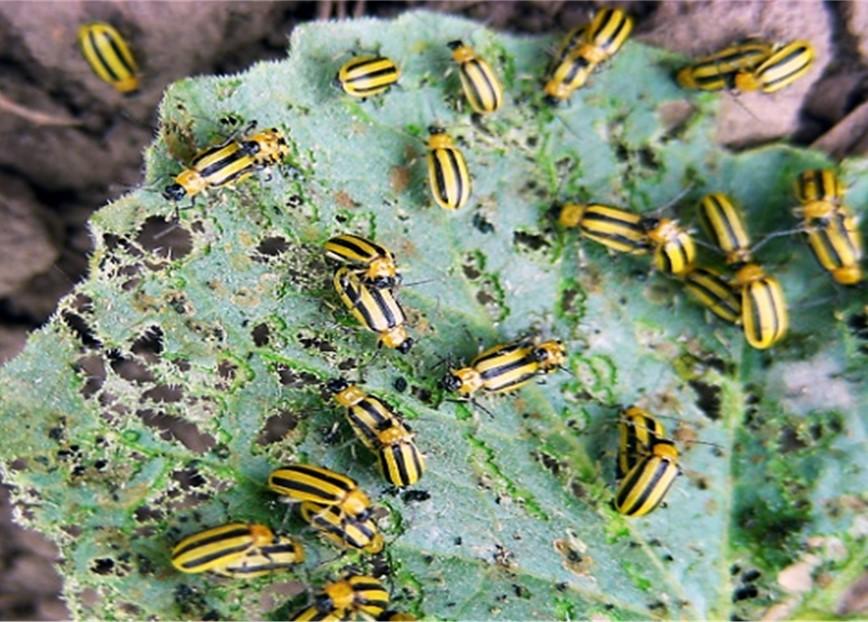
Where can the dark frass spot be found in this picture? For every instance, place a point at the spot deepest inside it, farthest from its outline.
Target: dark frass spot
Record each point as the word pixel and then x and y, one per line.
pixel 260 334
pixel 481 224
pixel 707 398
pixel 533 241
pixel 277 427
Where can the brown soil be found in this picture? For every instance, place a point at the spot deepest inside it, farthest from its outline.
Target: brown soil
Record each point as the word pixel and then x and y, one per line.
pixel 70 143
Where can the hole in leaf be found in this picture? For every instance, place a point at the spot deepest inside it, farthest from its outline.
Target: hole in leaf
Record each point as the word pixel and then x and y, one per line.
pixel 295 379
pixel 272 247
pixel 165 239
pixel 174 428
pixel 744 592
pixel 92 369
pixel 133 271
pixel 227 371
pixel 133 611
pixel 472 266
pixel 104 565
pixel 149 344
pixel 81 329
pixel 313 341
pixel 129 368
pixel 146 514
pixel 260 334
pixel 89 598
pixel 277 427
pixel 82 303
pixel 189 478
pixel 115 242
pixel 165 393
pixel 648 159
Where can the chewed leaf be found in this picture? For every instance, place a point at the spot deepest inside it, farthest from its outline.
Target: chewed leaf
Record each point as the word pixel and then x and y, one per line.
pixel 159 408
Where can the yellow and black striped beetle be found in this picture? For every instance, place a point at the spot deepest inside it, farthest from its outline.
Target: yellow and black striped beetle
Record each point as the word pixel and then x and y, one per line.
pixel 714 293
pixel 364 76
pixel 376 309
pixel 637 432
pixel 613 227
pixel 506 367
pixel 341 531
pixel 448 175
pixel 674 248
pixel 381 430
pixel 763 307
pixel 831 229
pixel 322 486
pixel 724 223
pixel 785 65
pixel 819 185
pixel 267 148
pixel 645 485
pixel 109 56
pixel 374 263
pixel 481 86
pixel 284 553
pixel 605 35
pixel 219 166
pixel 716 71
pixel 218 547
pixel 359 595
pixel 569 73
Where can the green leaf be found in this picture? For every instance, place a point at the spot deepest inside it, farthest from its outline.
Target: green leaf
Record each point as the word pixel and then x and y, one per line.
pixel 517 522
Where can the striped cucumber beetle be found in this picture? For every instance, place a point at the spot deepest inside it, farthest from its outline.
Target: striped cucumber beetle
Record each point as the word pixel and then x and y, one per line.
pixel 714 293
pixel 219 166
pixel 570 73
pixel 646 484
pixel 375 264
pixel 322 486
pixel 108 55
pixel 481 86
pixel 831 229
pixel 613 227
pixel 605 35
pixel 353 595
pixel 763 308
pixel 674 248
pixel 448 175
pixel 341 531
pixel 376 309
pixel 638 431
pixel 818 186
pixel 284 553
pixel 716 72
pixel 835 241
pixel 218 547
pixel 724 223
pixel 383 431
pixel 785 65
pixel 506 367
pixel 364 76
pixel 570 43
pixel 268 147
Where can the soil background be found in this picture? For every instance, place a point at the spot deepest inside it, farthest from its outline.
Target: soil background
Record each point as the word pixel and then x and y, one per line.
pixel 71 143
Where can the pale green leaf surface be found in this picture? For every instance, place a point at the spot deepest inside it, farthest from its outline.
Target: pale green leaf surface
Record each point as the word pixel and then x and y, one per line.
pixel 508 495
